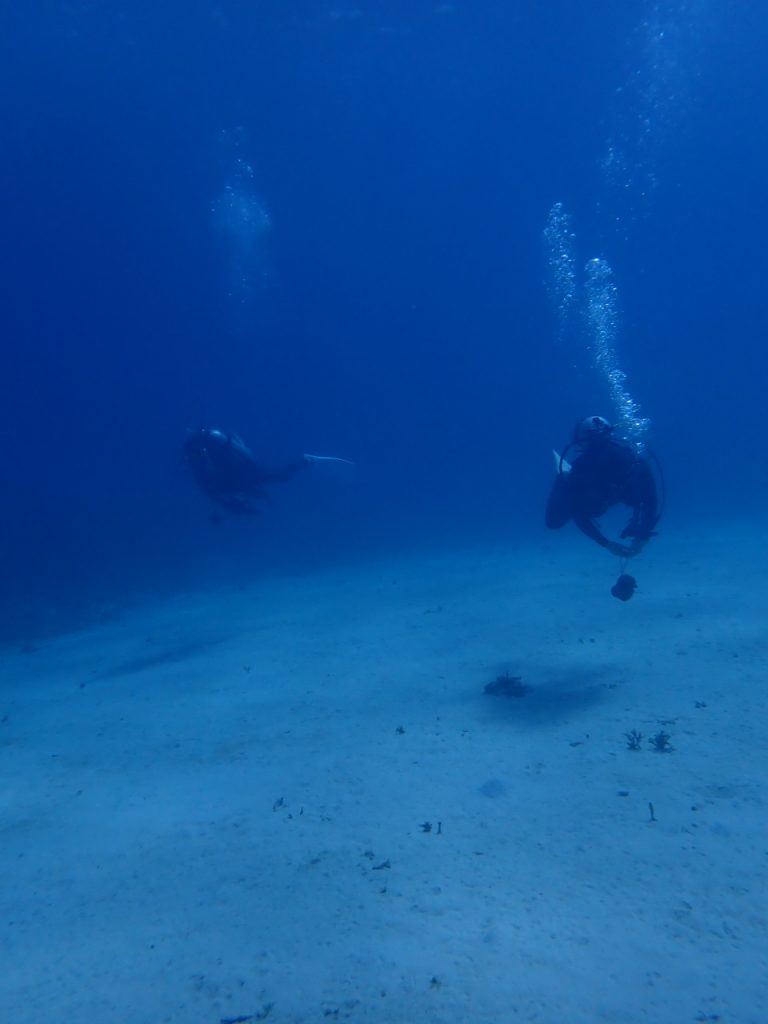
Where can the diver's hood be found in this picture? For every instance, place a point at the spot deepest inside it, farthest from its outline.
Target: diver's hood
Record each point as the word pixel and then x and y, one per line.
pixel 592 428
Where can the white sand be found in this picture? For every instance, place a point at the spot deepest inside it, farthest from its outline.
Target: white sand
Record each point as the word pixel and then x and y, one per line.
pixel 212 809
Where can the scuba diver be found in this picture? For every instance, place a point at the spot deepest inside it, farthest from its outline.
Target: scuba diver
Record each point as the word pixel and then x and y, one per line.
pixel 227 471
pixel 605 471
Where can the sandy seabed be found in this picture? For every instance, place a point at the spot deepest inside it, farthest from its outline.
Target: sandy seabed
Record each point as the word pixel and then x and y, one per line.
pixel 296 803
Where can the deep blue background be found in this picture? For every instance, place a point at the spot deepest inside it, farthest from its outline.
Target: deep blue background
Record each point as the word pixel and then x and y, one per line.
pixel 408 154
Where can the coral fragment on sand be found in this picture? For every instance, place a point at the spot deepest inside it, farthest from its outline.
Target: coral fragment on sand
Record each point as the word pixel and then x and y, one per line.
pixel 506 685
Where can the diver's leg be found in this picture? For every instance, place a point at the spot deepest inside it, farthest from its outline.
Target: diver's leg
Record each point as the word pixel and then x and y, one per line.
pixel 283 473
pixel 559 507
pixel 239 504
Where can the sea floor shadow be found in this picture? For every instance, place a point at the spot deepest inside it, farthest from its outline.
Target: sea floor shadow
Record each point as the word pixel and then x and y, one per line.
pixel 552 698
pixel 160 657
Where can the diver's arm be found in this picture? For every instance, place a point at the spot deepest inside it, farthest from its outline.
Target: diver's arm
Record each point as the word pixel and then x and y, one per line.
pixel 645 509
pixel 590 528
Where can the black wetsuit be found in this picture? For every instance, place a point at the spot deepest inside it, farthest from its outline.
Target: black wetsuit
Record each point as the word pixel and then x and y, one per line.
pixel 227 472
pixel 604 473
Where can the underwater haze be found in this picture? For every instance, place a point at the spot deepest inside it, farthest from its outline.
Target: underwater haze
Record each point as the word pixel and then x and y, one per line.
pixel 324 228
pixel 306 713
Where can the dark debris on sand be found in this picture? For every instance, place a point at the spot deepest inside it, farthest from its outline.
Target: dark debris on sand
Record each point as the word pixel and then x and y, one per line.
pixel 506 685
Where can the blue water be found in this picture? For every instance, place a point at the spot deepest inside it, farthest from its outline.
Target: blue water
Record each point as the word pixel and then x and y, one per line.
pixel 322 226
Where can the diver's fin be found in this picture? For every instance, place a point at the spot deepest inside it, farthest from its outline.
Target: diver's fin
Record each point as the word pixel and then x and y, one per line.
pixel 561 465
pixel 341 468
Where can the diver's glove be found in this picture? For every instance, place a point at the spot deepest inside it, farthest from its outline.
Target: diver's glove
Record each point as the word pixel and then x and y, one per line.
pixel 637 544
pixel 637 533
pixel 621 550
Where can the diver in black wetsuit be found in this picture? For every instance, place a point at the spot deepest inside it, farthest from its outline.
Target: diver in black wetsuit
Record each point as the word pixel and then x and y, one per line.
pixel 604 472
pixel 228 473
